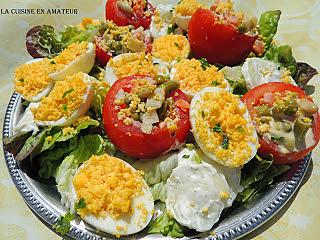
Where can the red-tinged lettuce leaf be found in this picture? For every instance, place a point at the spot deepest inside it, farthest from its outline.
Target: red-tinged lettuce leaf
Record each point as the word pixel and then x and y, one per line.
pixel 304 74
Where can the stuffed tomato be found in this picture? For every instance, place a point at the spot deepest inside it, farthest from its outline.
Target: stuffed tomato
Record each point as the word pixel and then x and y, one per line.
pixel 137 13
pixel 145 117
pixel 286 119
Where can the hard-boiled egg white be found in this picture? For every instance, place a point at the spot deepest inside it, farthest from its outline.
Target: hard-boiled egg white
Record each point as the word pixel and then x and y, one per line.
pixel 184 10
pixel 129 64
pixel 32 79
pixel 257 71
pixel 118 200
pixel 193 77
pixel 197 193
pixel 161 20
pixel 170 49
pixel 77 57
pixel 68 100
pixel 222 127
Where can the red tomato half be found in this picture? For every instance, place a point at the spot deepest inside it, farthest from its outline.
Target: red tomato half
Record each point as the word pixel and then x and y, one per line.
pixel 263 94
pixel 218 43
pixel 130 139
pixel 138 17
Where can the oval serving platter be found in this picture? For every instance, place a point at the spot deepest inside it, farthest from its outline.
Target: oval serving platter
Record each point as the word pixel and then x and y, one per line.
pixel 44 200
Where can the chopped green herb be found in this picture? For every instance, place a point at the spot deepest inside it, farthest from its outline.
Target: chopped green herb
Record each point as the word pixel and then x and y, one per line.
pixel 240 129
pixel 21 80
pixel 190 146
pixel 52 62
pixel 176 44
pixel 67 92
pixel 204 63
pixel 276 138
pixel 225 142
pixel 217 128
pixel 80 204
pixel 65 107
pixel 197 159
pixel 215 83
pixel 63 223
pixel 172 28
pixel 185 156
pixel 202 113
pixel 178 59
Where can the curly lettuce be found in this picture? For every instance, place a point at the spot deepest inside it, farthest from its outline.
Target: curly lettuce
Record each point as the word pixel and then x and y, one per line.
pixel 268 26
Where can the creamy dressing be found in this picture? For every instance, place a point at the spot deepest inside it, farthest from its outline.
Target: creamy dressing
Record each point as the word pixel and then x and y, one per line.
pixel 290 143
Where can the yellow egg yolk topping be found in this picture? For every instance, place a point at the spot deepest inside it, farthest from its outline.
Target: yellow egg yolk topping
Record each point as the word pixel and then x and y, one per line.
pixel 107 185
pixel 133 64
pixel 187 7
pixel 222 128
pixel 171 47
pixel 193 78
pixel 65 98
pixel 30 79
pixel 68 55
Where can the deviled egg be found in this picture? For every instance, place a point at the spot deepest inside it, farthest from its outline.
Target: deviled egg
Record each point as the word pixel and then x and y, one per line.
pixel 222 127
pixel 77 57
pixel 193 76
pixel 129 64
pixel 118 200
pixel 32 81
pixel 170 49
pixel 257 71
pixel 68 100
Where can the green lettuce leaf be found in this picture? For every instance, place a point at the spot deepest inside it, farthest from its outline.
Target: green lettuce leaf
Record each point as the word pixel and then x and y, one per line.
pixel 236 80
pixel 87 146
pixel 159 191
pixel 72 34
pixel 257 176
pixel 268 25
pixel 283 56
pixel 63 224
pixel 166 226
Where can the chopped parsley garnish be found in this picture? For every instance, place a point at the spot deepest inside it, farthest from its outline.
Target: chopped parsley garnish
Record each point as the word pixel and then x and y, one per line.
pixel 225 142
pixel 276 138
pixel 204 63
pixel 52 62
pixel 215 83
pixel 65 107
pixel 240 129
pixel 21 80
pixel 176 44
pixel 63 224
pixel 80 204
pixel 172 28
pixel 67 92
pixel 202 113
pixel 197 159
pixel 185 156
pixel 217 128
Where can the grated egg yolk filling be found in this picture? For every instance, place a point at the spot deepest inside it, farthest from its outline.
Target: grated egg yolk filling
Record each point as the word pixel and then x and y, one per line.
pixel 222 109
pixel 108 186
pixel 32 78
pixel 65 98
pixel 193 78
pixel 133 64
pixel 68 55
pixel 171 47
pixel 187 7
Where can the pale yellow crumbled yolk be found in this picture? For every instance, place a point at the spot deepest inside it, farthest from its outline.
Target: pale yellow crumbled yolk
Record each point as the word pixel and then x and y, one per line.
pixel 88 21
pixel 171 47
pixel 187 7
pixel 107 185
pixel 223 108
pixel 133 64
pixel 65 98
pixel 80 120
pixel 30 79
pixel 68 55
pixel 144 213
pixel 193 78
pixel 286 77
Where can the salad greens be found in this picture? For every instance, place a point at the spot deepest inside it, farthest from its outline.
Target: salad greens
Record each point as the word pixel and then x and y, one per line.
pixel 257 176
pixel 304 74
pixel 268 25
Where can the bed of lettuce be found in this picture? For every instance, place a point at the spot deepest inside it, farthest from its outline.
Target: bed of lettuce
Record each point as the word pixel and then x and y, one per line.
pixel 59 158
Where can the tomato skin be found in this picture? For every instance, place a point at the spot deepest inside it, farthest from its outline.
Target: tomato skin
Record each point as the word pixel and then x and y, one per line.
pixel 130 139
pixel 137 19
pixel 218 43
pixel 252 99
pixel 102 56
